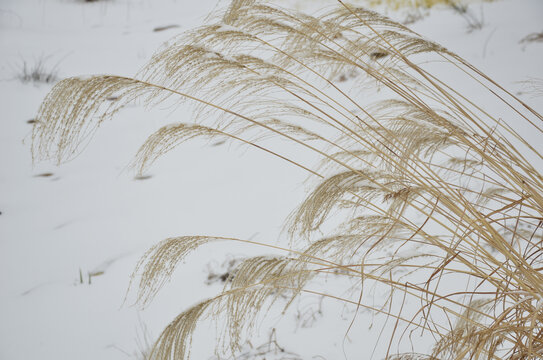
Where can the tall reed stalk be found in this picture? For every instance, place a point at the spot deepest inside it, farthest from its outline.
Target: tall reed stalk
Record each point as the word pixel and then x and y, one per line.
pixel 425 176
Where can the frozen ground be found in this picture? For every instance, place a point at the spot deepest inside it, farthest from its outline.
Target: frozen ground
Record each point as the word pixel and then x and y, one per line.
pixel 59 225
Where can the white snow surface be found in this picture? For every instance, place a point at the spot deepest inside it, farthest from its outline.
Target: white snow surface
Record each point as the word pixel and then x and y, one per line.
pixel 90 216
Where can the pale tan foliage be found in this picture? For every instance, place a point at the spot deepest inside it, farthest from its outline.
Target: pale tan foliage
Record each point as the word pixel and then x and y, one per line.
pixel 423 188
pixel 396 4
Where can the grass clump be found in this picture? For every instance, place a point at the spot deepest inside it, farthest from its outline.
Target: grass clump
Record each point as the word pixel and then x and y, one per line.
pixel 428 193
pixel 37 71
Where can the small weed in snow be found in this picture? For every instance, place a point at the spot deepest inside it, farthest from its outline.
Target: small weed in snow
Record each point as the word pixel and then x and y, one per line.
pixel 473 21
pixel 38 71
pixel 222 273
pixel 270 350
pixel 532 38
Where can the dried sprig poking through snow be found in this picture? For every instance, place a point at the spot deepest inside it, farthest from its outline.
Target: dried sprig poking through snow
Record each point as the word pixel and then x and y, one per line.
pixel 37 71
pixel 532 38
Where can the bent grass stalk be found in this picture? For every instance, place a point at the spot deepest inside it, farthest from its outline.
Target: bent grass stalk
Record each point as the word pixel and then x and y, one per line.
pixel 433 186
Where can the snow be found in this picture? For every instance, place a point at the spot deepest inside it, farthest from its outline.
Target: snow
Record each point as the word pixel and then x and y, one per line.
pixel 92 218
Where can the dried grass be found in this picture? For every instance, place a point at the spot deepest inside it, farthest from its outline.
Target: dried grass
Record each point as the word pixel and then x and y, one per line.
pixel 397 4
pixel 38 71
pixel 439 201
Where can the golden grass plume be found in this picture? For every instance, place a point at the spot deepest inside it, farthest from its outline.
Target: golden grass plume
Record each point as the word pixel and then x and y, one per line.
pixel 422 186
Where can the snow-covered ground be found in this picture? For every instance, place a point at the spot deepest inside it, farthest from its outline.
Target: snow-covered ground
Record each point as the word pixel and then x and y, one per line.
pixel 71 235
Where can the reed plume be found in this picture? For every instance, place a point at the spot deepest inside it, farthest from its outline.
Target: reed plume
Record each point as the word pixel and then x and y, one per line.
pixel 426 184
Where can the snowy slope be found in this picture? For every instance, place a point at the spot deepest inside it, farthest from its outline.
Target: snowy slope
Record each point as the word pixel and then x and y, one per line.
pixel 91 216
